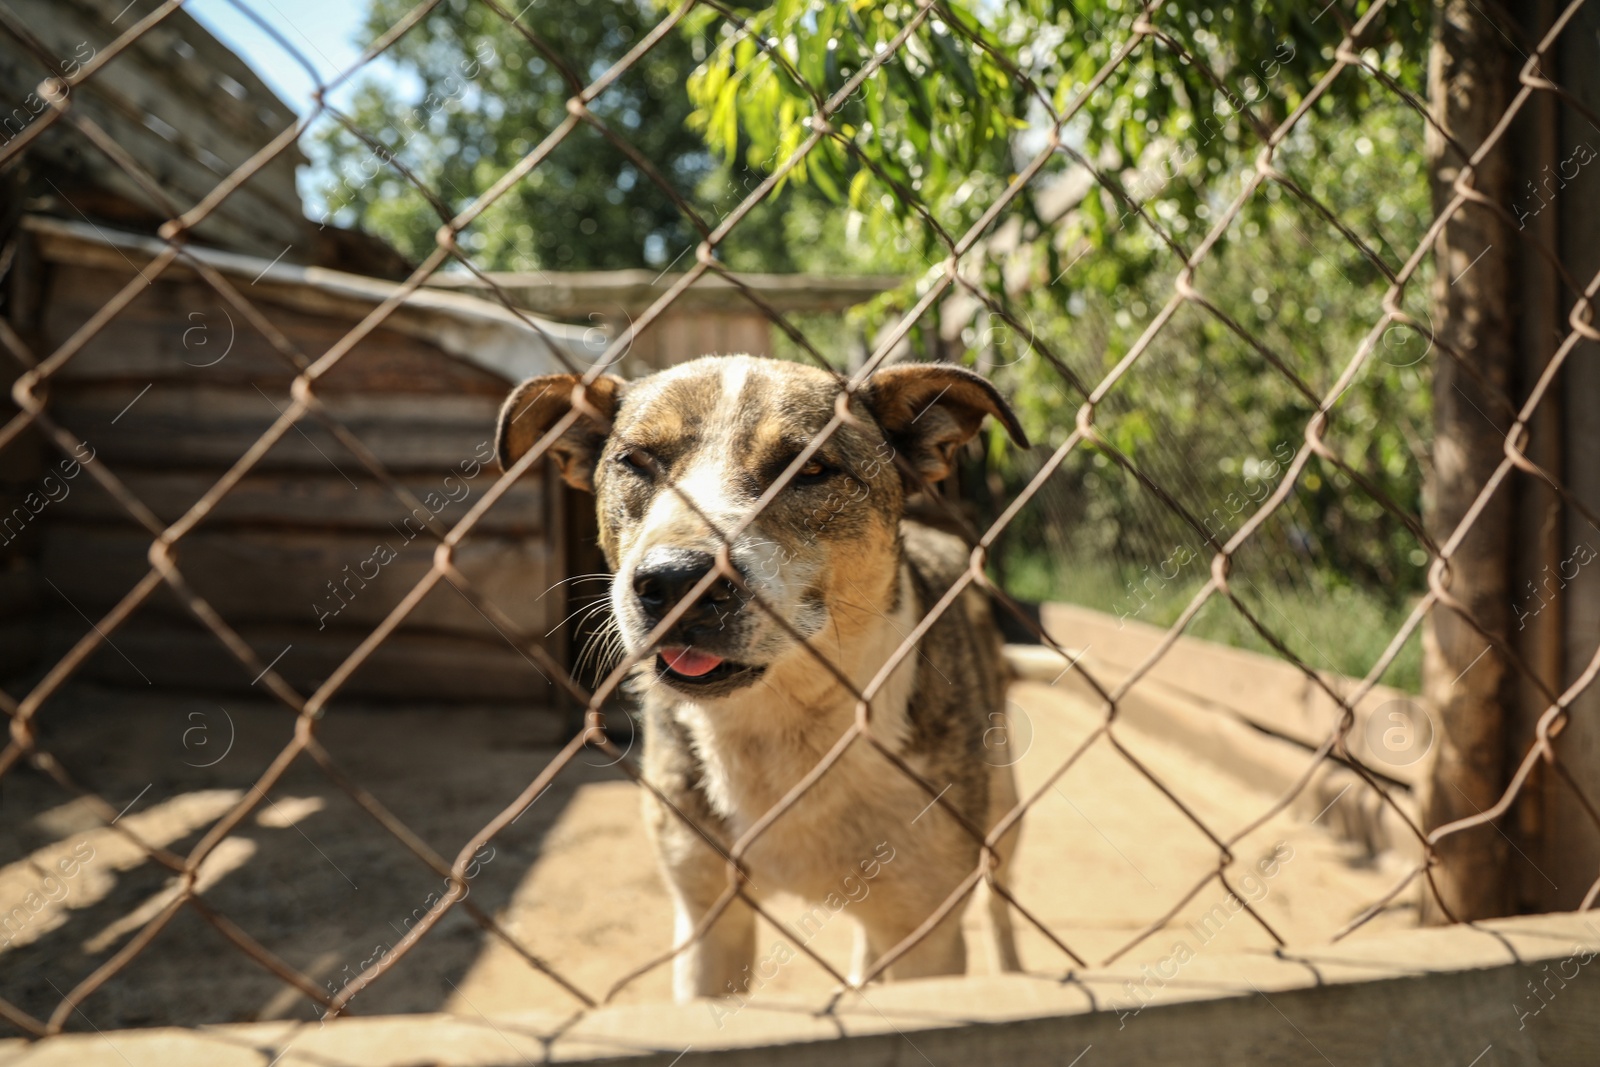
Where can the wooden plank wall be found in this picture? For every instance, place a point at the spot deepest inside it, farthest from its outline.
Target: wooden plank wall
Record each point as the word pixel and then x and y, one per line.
pixel 310 551
pixel 712 317
pixel 22 471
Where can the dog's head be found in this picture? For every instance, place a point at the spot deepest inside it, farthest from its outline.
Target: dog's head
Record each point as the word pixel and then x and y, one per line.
pixel 690 452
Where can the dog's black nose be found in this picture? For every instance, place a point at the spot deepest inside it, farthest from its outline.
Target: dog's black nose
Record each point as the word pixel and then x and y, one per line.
pixel 666 575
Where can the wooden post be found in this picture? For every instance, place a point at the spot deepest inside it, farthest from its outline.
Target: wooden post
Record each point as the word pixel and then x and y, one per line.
pixel 1469 79
pixel 1563 847
pixel 1537 618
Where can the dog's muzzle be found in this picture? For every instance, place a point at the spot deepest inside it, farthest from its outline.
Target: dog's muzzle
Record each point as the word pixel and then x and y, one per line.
pixel 691 654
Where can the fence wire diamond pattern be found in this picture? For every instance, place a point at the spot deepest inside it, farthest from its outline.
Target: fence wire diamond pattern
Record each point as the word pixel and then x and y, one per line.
pixel 1144 41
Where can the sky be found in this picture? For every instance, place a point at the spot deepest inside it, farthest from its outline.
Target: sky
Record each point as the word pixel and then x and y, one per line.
pixel 325 32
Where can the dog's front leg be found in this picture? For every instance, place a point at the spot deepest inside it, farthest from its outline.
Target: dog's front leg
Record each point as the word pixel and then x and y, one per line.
pixel 862 957
pixel 717 963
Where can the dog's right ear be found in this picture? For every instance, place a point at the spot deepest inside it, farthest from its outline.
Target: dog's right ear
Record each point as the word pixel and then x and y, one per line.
pixel 536 405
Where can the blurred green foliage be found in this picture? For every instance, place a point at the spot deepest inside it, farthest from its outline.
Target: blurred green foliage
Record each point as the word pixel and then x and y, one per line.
pixel 965 103
pixel 483 98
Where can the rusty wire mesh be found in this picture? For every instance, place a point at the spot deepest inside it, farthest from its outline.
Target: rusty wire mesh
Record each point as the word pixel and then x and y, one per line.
pixel 1145 34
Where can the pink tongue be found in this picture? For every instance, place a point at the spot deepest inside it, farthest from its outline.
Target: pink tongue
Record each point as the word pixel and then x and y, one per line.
pixel 687 662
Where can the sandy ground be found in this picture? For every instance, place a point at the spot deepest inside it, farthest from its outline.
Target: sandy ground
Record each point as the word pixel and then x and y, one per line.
pixel 317 881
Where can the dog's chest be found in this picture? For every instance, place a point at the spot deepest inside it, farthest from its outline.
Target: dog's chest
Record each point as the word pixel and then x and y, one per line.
pixel 830 829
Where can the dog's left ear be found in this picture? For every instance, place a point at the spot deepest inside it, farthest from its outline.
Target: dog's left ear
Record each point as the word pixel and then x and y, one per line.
pixel 928 410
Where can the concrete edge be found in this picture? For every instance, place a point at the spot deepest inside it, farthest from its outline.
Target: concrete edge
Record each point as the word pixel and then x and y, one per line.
pixel 1435 995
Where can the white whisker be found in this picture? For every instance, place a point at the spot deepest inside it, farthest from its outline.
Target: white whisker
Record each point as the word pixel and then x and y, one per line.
pixel 586 610
pixel 574 579
pixel 602 646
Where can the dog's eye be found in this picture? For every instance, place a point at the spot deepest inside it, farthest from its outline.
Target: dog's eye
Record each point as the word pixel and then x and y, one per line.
pixel 812 472
pixel 637 460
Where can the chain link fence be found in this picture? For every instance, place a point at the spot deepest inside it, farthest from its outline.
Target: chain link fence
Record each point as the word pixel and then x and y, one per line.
pixel 1144 41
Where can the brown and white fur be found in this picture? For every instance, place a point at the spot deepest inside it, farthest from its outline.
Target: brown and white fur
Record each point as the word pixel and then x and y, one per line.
pixel 833 554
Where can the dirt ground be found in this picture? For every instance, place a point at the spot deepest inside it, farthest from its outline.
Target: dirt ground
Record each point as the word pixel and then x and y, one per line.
pixel 314 878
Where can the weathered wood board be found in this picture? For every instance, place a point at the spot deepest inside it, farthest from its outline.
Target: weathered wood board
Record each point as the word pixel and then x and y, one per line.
pixel 211 426
pixel 414 667
pixel 312 500
pixel 182 330
pixel 313 579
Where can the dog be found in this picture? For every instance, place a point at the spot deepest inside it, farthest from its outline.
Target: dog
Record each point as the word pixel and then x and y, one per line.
pixel 739 708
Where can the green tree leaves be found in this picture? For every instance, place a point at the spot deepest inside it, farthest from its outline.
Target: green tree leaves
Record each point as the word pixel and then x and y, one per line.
pixel 489 96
